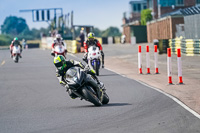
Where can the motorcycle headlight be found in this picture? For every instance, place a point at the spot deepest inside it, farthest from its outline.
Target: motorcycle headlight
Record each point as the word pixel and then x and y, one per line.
pixel 75 79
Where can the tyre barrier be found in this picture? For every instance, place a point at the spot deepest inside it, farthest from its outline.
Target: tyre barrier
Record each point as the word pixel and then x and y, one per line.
pixel 189 47
pixel 72 46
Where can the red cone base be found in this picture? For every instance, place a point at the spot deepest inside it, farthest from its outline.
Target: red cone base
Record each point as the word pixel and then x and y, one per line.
pixel 140 71
pixel 180 80
pixel 148 70
pixel 157 71
pixel 170 80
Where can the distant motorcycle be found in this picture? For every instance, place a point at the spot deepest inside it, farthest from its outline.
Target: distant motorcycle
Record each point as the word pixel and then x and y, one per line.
pixel 59 50
pixel 94 58
pixel 76 79
pixel 16 53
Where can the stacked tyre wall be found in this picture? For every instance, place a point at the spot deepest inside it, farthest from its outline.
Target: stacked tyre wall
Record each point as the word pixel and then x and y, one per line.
pixel 189 47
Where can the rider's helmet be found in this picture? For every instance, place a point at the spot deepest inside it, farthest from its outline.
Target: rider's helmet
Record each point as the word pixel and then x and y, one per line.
pixel 90 36
pixel 59 62
pixel 58 37
pixel 15 39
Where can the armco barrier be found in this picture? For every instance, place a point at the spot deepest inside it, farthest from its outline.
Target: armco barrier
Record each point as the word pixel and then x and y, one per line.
pixel 33 43
pixel 189 47
pixel 110 40
pixel 104 40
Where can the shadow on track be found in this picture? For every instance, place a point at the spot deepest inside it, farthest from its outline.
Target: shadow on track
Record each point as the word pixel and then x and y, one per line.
pixel 106 105
pixel 108 75
pixel 116 104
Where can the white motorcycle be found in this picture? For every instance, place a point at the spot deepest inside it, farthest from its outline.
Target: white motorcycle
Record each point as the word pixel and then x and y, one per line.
pixel 94 58
pixel 16 53
pixel 59 50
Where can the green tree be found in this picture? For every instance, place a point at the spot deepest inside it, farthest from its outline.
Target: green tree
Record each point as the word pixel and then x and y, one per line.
pixel 145 16
pixel 5 40
pixel 13 25
pixel 111 31
pixel 97 32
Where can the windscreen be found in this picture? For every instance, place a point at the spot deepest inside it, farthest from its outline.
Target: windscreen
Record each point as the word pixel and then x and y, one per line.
pixel 72 72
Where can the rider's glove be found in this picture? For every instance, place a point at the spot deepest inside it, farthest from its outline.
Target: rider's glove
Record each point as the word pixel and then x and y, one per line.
pixel 87 68
pixel 102 52
pixel 63 83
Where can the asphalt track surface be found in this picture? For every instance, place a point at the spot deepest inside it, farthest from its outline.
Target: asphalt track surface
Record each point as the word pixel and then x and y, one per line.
pixel 32 101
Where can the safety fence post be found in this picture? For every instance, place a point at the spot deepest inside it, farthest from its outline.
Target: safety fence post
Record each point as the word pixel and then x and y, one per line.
pixel 179 62
pixel 139 59
pixel 147 59
pixel 156 59
pixel 169 65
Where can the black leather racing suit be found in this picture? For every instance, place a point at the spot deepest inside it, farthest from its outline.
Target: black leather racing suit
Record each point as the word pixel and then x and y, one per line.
pixel 72 63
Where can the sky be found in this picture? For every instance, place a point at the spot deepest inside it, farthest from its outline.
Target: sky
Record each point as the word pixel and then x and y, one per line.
pixel 99 13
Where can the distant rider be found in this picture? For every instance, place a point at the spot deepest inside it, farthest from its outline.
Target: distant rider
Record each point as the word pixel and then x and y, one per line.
pixel 63 65
pixel 57 41
pixel 13 43
pixel 90 42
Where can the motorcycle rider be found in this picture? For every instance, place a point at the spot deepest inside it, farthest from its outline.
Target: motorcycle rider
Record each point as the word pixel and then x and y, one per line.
pixel 13 43
pixel 63 65
pixel 57 41
pixel 90 42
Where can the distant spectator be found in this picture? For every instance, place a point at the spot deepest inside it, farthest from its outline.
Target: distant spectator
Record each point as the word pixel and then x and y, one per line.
pixel 82 37
pixel 123 38
pixel 24 43
pixel 156 42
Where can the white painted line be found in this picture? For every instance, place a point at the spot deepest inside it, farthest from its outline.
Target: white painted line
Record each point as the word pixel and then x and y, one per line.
pixel 3 62
pixel 166 94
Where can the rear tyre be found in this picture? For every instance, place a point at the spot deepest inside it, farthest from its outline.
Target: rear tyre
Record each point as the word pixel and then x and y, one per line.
pixel 90 96
pixel 105 98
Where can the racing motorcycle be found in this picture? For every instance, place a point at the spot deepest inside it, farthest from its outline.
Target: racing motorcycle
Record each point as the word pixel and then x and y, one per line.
pixel 59 50
pixel 16 53
pixel 76 80
pixel 94 58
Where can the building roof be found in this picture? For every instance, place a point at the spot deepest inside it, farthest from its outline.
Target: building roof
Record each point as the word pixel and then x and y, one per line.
pixel 191 10
pixel 83 26
pixel 174 13
pixel 138 1
pixel 184 12
pixel 131 23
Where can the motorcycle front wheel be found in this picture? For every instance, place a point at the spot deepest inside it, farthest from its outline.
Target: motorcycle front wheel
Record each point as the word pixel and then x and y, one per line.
pixel 16 58
pixel 90 96
pixel 105 98
pixel 96 68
